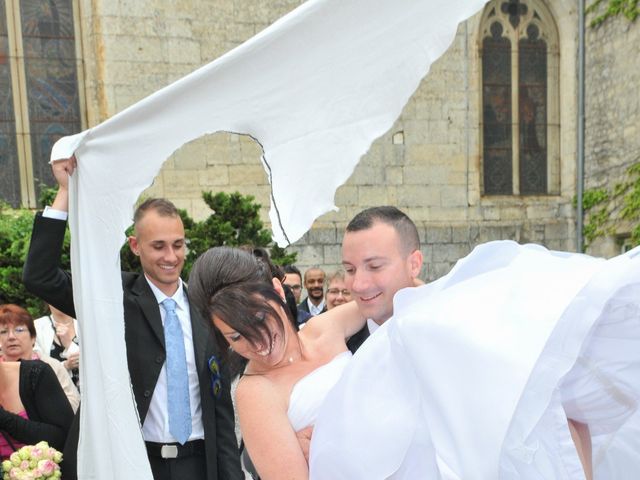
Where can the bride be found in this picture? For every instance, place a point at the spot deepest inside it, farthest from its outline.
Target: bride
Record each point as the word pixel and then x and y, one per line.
pixel 474 377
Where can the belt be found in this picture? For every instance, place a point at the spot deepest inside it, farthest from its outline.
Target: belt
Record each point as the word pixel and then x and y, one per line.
pixel 175 450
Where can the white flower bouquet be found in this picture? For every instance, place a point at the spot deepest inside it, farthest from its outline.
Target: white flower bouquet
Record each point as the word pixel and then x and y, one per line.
pixel 33 462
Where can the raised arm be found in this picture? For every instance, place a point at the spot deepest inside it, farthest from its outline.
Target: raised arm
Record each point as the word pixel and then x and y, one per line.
pixel 42 274
pixel 269 437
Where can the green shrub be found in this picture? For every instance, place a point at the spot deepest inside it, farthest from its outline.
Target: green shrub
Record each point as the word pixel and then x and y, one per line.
pixel 15 234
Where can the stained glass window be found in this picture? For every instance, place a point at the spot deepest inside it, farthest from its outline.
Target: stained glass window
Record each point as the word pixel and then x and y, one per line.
pixel 516 56
pixel 52 84
pixel 496 95
pixel 532 83
pixel 9 165
pixel 39 77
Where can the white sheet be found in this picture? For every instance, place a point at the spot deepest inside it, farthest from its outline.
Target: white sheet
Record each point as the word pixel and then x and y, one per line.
pixel 316 88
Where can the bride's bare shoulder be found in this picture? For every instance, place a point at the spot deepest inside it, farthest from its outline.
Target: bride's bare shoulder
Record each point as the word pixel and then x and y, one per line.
pixel 256 388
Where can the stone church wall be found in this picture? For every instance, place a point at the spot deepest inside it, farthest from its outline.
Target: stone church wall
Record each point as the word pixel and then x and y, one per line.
pixel 612 131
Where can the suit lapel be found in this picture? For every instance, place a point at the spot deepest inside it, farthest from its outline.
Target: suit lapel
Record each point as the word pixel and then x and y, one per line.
pixel 148 304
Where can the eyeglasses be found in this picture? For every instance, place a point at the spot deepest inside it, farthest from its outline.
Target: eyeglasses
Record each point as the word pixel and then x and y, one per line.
pixel 16 331
pixel 295 287
pixel 337 291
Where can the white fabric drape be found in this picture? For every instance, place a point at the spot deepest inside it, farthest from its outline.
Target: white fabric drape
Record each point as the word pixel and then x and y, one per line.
pixel 476 373
pixel 315 89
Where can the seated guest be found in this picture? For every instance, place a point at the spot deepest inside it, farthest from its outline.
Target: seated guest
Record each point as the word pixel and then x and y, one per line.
pixel 57 337
pixel 18 343
pixel 337 291
pixel 33 406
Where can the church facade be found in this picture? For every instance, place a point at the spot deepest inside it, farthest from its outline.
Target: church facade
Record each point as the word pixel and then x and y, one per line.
pixel 485 149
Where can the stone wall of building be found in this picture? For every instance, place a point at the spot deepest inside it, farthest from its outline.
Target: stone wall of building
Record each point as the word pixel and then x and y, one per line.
pixel 428 164
pixel 612 126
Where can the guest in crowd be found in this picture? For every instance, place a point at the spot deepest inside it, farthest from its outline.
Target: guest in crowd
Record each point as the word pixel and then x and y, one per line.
pixel 337 291
pixel 293 280
pixel 314 284
pixel 18 344
pixel 57 337
pixel 33 406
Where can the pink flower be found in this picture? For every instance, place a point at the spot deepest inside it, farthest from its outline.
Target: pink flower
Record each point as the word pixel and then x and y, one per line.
pixel 47 467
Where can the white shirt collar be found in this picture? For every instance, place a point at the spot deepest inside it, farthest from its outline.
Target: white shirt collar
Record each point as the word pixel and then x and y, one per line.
pixel 179 296
pixel 315 310
pixel 372 326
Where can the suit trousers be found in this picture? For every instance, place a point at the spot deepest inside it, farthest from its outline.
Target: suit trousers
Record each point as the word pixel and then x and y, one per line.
pixel 192 467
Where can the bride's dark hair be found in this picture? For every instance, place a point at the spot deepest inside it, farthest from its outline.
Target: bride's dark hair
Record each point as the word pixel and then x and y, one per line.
pixel 235 284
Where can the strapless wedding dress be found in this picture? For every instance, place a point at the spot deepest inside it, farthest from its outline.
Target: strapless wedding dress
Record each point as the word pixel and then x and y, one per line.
pixel 474 376
pixel 309 393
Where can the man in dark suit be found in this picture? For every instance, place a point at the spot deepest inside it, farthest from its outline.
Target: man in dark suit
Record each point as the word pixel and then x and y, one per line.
pixel 195 440
pixel 313 303
pixel 380 255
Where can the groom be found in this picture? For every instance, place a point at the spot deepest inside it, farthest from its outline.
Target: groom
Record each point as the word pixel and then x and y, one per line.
pixel 380 255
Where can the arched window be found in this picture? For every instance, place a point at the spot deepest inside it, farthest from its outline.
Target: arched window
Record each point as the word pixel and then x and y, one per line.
pixel 520 115
pixel 39 100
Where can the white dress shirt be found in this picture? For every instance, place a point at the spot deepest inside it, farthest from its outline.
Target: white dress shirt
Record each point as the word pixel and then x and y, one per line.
pixel 156 423
pixel 313 309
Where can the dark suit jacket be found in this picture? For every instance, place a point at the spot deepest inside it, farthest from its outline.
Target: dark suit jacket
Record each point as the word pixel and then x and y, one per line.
pixel 144 337
pixel 358 339
pixel 304 306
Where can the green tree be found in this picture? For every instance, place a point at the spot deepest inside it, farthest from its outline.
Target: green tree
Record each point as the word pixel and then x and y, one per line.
pixel 235 222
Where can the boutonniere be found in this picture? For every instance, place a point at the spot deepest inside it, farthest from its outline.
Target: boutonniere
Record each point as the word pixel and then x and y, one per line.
pixel 216 379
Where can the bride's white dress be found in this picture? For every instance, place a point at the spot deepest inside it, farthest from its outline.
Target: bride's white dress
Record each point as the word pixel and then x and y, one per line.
pixel 476 373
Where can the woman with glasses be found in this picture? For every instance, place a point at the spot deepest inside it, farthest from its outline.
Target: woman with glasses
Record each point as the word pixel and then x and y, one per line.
pixel 33 406
pixel 18 344
pixel 533 371
pixel 337 291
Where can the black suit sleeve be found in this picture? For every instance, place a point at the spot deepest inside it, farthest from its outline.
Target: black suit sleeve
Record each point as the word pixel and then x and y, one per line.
pixel 42 274
pixel 228 452
pixel 49 411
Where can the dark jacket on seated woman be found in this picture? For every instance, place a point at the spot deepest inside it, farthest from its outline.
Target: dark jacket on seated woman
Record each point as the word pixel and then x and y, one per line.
pixel 49 414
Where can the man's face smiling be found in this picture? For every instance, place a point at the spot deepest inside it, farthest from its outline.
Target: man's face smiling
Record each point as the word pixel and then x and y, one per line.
pixel 376 268
pixel 160 243
pixel 314 283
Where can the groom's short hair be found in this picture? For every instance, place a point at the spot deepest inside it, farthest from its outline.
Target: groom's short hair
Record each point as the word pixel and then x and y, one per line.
pixel 161 206
pixel 403 225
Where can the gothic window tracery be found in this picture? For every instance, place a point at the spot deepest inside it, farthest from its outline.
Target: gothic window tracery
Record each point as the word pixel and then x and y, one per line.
pixel 519 53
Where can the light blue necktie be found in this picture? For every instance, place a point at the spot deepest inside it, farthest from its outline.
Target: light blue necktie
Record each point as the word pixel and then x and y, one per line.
pixel 177 375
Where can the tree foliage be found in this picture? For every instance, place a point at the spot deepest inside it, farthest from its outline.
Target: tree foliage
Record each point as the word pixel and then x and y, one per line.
pixel 15 234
